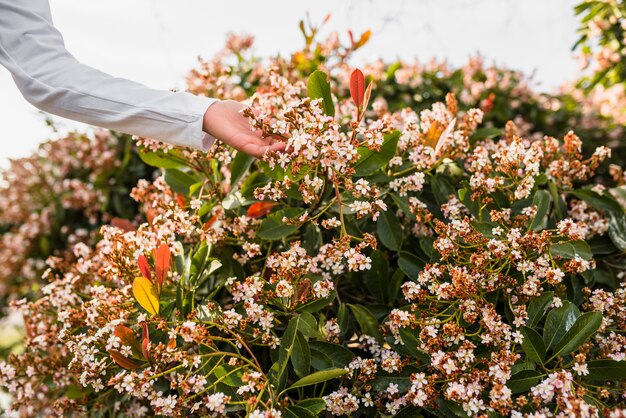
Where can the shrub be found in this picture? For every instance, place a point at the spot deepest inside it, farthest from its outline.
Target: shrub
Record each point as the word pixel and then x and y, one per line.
pixel 410 255
pixel 390 263
pixel 59 196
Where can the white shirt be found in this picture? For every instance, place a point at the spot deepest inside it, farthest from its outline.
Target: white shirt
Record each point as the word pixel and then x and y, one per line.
pixel 50 78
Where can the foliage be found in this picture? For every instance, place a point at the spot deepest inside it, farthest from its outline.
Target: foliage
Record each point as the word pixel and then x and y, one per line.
pixel 59 196
pixel 602 41
pixel 410 254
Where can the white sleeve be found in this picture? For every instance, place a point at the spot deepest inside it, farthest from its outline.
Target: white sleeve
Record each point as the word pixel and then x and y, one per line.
pixel 50 78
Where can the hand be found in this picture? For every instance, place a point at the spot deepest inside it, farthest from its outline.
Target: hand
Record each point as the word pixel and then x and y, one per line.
pixel 225 122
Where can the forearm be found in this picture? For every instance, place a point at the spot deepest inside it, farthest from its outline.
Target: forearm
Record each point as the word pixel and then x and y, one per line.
pixel 54 81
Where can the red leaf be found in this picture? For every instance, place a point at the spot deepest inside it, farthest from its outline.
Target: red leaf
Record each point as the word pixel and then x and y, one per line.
pixel 124 361
pixel 145 341
pixel 258 209
pixel 357 87
pixel 123 224
pixel 144 267
pixel 126 336
pixel 211 221
pixel 180 199
pixel 150 215
pixel 162 263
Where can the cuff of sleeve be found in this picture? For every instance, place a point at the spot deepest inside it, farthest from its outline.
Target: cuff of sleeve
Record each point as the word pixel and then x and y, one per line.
pixel 199 139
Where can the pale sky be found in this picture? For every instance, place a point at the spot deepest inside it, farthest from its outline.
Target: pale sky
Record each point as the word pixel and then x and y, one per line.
pixel 156 42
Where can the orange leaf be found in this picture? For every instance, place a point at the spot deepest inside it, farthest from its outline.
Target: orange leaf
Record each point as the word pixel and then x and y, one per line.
pixel 180 199
pixel 146 294
pixel 162 263
pixel 171 344
pixel 258 209
pixel 124 361
pixel 433 134
pixel 126 336
pixel 123 224
pixel 145 341
pixel 357 87
pixel 150 215
pixel 365 36
pixel 142 262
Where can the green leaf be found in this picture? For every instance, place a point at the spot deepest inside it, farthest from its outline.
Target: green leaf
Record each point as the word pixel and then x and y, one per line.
pixel 485 133
pixel 318 377
pixel 606 370
pixel 371 160
pixel 273 228
pixel 319 88
pixel 571 249
pixel 558 322
pixel 389 230
pixel 279 371
pixel 598 201
pixel 376 279
pixel 295 411
pixel 617 231
pixel 76 391
pixel 179 181
pixel 319 360
pixel 533 345
pixel 410 341
pixel 276 173
pixel 308 326
pixel 586 324
pixel 410 264
pixel 339 355
pixel 395 284
pixel 523 381
pixel 312 238
pixel 560 208
pixel 313 405
pixel 160 159
pixel 542 201
pixel 367 321
pixel 537 308
pixel 301 356
pixel 442 189
pixel 240 165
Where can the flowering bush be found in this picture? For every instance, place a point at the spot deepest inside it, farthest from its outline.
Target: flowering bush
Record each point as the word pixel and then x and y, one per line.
pixel 59 196
pixel 421 249
pixel 389 263
pixel 501 93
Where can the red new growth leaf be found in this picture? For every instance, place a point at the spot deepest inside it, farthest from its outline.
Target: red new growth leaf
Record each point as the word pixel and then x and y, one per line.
pixel 127 337
pixel 357 87
pixel 210 222
pixel 123 224
pixel 258 209
pixel 145 341
pixel 180 199
pixel 162 263
pixel 144 267
pixel 124 361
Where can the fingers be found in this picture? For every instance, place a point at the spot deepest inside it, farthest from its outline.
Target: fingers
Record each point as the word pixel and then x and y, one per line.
pixel 258 148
